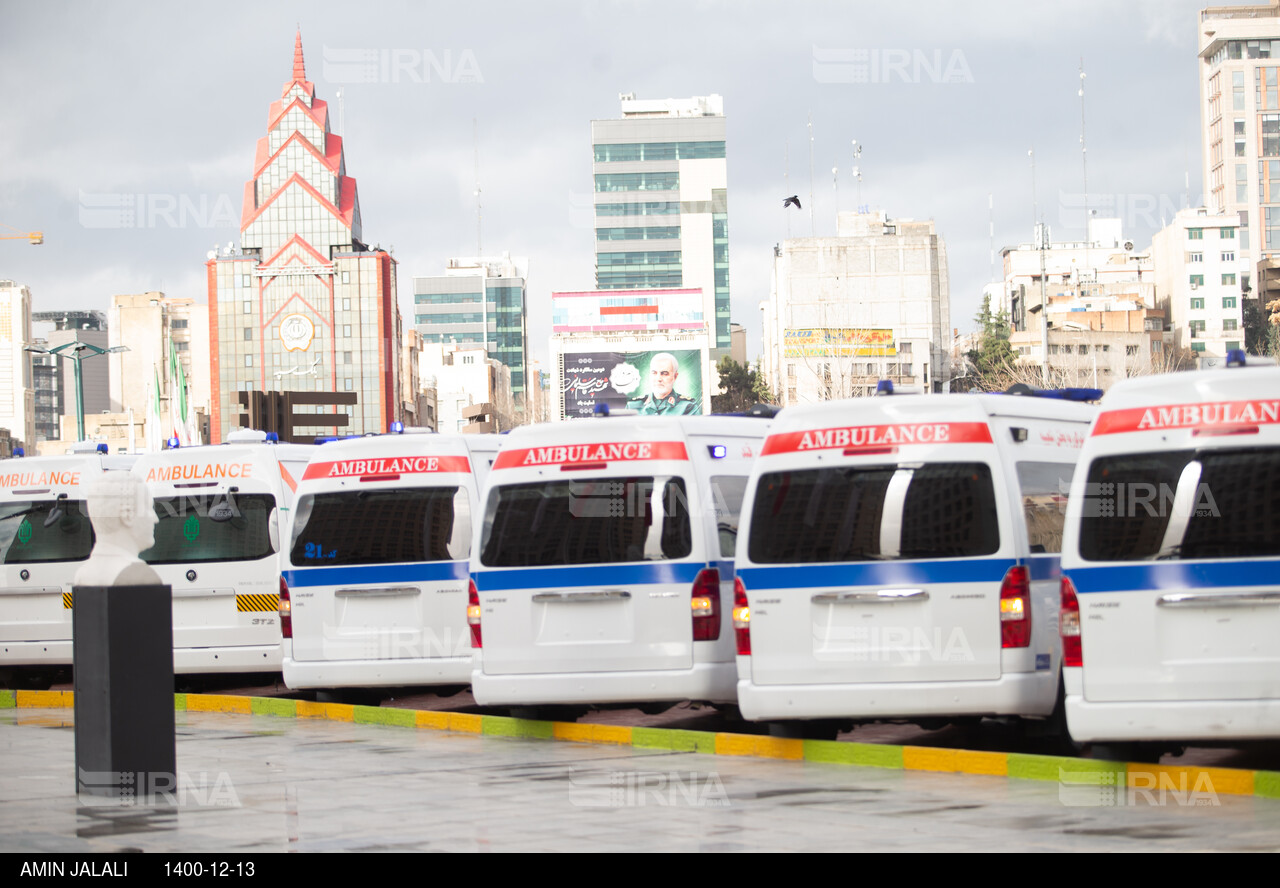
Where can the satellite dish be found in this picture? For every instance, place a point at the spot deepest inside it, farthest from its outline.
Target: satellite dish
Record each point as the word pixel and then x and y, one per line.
pixel 1128 245
pixel 212 254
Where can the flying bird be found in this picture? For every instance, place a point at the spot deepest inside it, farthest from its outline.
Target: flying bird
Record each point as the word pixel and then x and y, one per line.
pixel 793 199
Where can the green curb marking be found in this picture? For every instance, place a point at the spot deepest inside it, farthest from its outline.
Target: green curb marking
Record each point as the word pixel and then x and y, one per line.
pixel 275 706
pixel 8 700
pixel 1051 767
pixel 180 702
pixel 674 739
pixel 500 726
pixel 377 715
pixel 869 755
pixel 1266 784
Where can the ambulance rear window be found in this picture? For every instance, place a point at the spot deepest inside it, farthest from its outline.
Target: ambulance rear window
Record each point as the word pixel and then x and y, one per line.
pixel 871 513
pixel 589 521
pixel 45 530
pixel 1232 496
pixel 211 527
pixel 381 527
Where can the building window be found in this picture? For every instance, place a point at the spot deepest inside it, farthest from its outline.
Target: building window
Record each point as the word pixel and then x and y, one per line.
pixel 346 277
pixel 246 280
pixel 1197 346
pixel 1233 344
pixel 181 346
pixel 349 384
pixel 1229 279
pixel 1197 280
pixel 248 334
pixel 1197 302
pixel 1196 327
pixel 1130 350
pixel 1227 233
pixel 178 324
pixel 1195 257
pixel 346 303
pixel 248 360
pixel 1229 257
pixel 1195 234
pixel 346 357
pixel 1230 325
pixel 346 330
pixel 1228 301
pixel 248 307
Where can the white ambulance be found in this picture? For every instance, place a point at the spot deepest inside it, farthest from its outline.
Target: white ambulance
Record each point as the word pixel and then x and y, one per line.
pixel 899 560
pixel 223 511
pixel 1171 563
pixel 45 536
pixel 376 570
pixel 602 573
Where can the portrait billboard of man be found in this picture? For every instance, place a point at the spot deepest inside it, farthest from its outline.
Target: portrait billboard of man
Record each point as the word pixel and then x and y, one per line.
pixel 664 398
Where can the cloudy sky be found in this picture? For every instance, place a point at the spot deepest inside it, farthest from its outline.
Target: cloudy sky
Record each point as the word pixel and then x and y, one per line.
pixel 165 101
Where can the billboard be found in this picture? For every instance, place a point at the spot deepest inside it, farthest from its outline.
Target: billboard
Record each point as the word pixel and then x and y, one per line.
pixel 838 342
pixel 650 382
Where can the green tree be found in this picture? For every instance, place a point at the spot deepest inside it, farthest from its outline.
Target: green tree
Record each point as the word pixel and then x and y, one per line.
pixel 993 355
pixel 743 386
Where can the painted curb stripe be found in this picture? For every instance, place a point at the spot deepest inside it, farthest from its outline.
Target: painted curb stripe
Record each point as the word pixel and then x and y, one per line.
pixel 1019 766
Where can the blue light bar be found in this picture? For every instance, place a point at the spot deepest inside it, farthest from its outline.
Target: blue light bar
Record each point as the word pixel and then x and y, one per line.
pixel 884 387
pixel 273 438
pixel 102 448
pixel 717 451
pixel 19 452
pixel 173 443
pixel 397 428
pixel 1235 357
pixel 602 409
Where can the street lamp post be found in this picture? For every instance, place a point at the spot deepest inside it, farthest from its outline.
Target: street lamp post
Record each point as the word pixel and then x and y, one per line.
pixel 75 350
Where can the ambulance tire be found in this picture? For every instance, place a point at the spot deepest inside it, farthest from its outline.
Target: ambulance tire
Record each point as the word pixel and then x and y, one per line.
pixel 815 729
pixel 548 713
pixel 1131 751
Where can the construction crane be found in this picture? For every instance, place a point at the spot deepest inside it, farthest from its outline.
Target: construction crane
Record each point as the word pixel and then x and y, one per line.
pixel 35 237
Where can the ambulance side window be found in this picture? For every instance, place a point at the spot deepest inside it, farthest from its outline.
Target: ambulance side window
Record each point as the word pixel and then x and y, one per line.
pixel 1043 488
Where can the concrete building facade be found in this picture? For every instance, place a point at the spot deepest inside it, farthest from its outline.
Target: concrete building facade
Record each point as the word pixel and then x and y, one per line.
pixel 17 387
pixel 1239 67
pixel 464 377
pixel 844 312
pixel 661 201
pixel 303 305
pixel 479 300
pixel 1199 272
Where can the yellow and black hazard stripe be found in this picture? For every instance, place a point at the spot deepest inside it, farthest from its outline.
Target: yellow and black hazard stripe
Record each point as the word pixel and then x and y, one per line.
pixel 253 603
pixel 66 601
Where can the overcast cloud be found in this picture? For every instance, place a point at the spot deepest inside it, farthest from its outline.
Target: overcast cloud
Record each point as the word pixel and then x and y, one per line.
pixel 167 101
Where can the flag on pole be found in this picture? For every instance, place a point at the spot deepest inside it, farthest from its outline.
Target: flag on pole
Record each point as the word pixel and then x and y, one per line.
pixel 175 421
pixel 155 437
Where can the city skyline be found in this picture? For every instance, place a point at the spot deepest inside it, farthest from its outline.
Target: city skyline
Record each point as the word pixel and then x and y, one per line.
pixel 130 154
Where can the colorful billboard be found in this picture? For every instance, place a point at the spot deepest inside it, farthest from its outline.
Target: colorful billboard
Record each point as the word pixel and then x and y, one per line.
pixel 667 383
pixel 838 342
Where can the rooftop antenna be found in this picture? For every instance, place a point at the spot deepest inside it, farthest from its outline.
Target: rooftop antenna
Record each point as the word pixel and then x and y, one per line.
pixel 1084 167
pixel 857 172
pixel 835 186
pixel 786 178
pixel 475 138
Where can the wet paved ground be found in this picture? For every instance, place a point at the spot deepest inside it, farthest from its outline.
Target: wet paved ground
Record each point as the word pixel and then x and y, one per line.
pixel 260 784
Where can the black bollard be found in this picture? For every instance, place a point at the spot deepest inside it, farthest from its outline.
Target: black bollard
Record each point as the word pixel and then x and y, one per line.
pixel 122 644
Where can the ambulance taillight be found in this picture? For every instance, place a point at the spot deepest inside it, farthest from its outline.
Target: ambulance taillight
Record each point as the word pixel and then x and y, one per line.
pixel 741 618
pixel 1015 608
pixel 286 611
pixel 706 605
pixel 473 614
pixel 1069 625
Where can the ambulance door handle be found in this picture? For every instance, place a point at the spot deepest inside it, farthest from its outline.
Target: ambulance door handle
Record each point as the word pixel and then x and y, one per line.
pixel 883 596
pixel 383 592
pixel 1230 599
pixel 576 597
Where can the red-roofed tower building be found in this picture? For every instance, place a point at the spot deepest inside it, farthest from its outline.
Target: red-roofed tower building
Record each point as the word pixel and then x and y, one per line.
pixel 303 305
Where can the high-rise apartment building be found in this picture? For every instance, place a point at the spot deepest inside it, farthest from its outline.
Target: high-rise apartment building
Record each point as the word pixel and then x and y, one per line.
pixel 661 201
pixel 872 303
pixel 1240 132
pixel 17 392
pixel 303 305
pixel 1198 272
pixel 478 300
